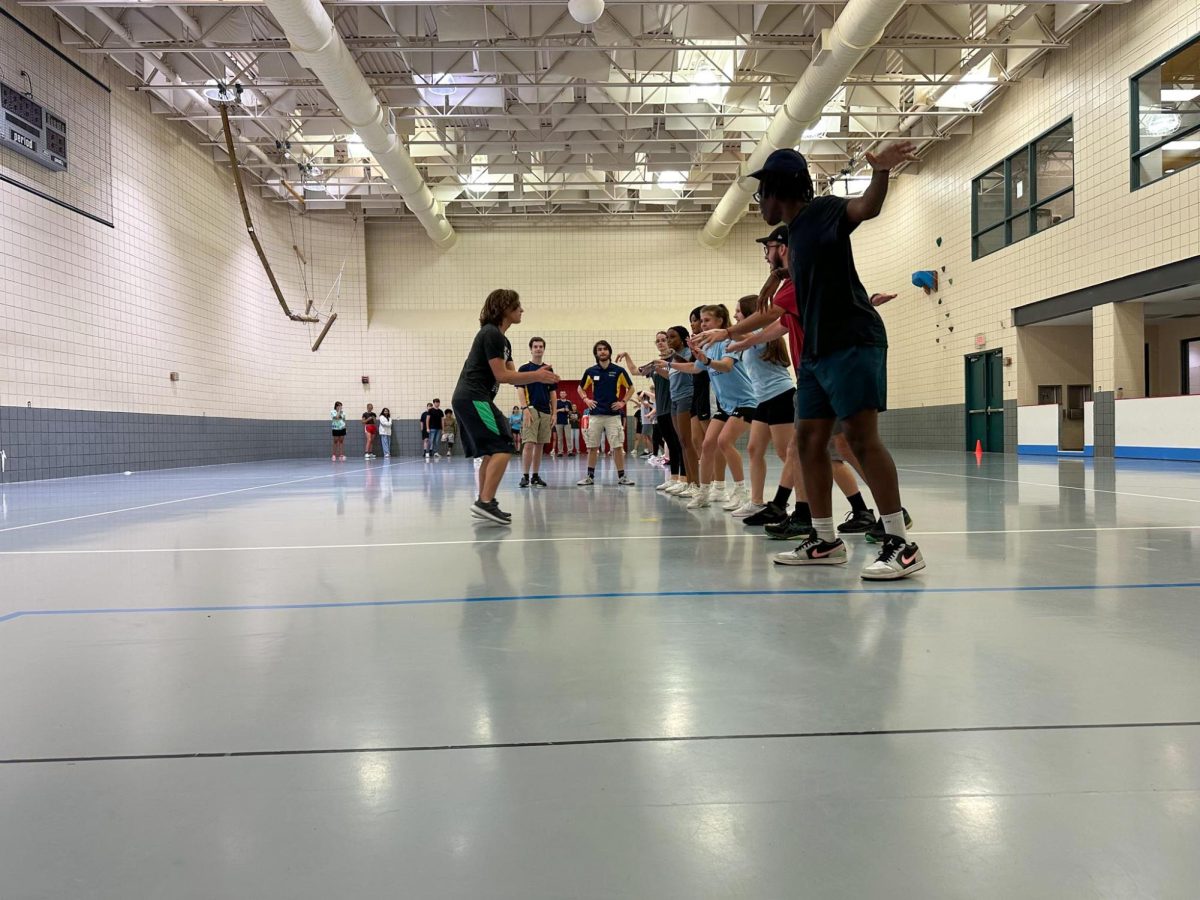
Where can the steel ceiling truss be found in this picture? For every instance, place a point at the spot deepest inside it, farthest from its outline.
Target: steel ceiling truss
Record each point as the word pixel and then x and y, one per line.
pixel 514 111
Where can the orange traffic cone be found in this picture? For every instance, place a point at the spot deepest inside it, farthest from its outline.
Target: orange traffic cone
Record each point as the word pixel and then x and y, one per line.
pixel 978 451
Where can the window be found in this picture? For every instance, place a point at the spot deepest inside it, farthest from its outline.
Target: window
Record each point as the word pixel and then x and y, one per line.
pixel 1032 190
pixel 1166 116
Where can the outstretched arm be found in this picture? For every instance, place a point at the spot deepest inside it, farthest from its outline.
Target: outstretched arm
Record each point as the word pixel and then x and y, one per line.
pixel 870 204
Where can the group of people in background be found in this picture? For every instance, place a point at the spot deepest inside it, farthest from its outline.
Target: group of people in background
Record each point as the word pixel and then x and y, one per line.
pixel 728 375
pixel 437 427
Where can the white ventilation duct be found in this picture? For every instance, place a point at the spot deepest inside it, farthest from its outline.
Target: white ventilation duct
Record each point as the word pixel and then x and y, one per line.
pixel 857 30
pixel 318 46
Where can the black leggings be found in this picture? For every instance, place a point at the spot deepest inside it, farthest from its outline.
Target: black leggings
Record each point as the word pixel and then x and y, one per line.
pixel 666 429
pixel 656 440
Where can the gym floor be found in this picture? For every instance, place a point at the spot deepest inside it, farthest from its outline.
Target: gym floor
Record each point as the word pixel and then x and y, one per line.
pixel 309 680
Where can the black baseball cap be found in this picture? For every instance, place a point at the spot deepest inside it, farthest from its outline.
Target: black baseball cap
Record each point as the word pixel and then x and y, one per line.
pixel 778 236
pixel 783 163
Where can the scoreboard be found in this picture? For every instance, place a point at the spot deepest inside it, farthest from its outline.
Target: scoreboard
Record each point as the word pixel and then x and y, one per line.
pixel 32 130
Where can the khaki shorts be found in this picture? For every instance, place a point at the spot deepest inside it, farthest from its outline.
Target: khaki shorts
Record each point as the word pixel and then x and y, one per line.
pixel 600 427
pixel 536 427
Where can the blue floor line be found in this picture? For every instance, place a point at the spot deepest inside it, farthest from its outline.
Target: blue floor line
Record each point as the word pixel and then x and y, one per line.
pixel 801 592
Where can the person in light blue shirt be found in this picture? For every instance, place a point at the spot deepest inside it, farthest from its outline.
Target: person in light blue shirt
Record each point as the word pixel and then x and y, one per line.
pixel 736 401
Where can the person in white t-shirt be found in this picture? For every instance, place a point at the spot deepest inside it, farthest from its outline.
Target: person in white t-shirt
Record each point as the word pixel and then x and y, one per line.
pixel 385 431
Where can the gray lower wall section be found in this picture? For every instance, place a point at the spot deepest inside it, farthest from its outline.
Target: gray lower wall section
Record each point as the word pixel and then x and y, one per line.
pixel 59 443
pixel 1104 422
pixel 1010 426
pixel 925 427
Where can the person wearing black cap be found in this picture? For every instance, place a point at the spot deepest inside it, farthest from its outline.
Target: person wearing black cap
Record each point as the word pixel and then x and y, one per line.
pixel 843 367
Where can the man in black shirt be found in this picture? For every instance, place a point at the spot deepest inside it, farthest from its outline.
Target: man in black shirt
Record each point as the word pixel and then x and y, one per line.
pixel 843 368
pixel 484 429
pixel 425 429
pixel 537 415
pixel 436 416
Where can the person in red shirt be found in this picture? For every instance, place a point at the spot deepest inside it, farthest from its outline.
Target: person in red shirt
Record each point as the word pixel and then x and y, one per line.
pixel 779 315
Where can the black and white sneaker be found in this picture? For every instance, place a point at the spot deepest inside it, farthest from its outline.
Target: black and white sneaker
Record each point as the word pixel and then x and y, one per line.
pixel 536 481
pixel 876 535
pixel 625 481
pixel 796 525
pixel 896 560
pixel 524 481
pixel 491 512
pixel 770 515
pixel 858 522
pixel 814 552
pixel 586 480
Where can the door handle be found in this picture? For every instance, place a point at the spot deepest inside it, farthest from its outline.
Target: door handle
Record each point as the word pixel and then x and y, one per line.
pixel 976 411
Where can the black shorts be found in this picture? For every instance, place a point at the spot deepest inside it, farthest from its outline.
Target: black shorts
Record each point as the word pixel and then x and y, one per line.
pixel 483 428
pixel 745 413
pixel 638 426
pixel 341 433
pixel 701 403
pixel 780 410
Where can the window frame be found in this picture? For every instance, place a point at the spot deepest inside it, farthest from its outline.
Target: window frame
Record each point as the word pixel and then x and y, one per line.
pixel 1135 111
pixel 1035 203
pixel 1185 383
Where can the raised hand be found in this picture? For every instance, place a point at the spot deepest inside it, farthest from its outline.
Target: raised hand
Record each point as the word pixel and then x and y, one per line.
pixel 892 155
pixel 880 299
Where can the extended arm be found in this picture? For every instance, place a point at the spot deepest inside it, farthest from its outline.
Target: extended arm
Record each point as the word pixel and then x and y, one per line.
pixel 870 204
pixel 506 373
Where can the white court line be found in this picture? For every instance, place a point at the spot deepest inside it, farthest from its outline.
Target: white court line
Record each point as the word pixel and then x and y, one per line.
pixel 1068 487
pixel 256 487
pixel 559 540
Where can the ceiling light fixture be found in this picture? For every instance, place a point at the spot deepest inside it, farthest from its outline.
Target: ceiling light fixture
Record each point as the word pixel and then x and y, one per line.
pixel 441 84
pixel 1160 124
pixel 672 181
pixel 1179 95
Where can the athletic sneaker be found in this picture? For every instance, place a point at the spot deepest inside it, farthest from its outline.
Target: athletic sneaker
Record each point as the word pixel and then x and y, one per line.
pixel 677 489
pixel 737 497
pixel 858 522
pixel 625 481
pixel 524 481
pixel 700 500
pixel 585 481
pixel 666 484
pixel 342 458
pixel 747 509
pixel 896 559
pixel 334 457
pixel 876 535
pixel 490 512
pixel 771 514
pixel 536 481
pixel 814 552
pixel 716 493
pixel 794 526
pixel 691 491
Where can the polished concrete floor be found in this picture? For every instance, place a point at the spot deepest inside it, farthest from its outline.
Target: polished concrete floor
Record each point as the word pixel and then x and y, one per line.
pixel 309 680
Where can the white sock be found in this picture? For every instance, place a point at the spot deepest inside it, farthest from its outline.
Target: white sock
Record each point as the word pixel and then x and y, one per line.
pixel 824 528
pixel 739 486
pixel 893 524
pixel 719 486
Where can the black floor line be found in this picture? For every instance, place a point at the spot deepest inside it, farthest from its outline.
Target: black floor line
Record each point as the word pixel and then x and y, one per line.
pixel 521 745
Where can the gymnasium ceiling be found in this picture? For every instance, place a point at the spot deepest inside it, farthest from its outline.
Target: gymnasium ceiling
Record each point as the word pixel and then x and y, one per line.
pixel 514 111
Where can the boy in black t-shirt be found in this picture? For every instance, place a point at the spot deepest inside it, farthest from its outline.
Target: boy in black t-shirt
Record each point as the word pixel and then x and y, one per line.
pixel 843 368
pixel 484 429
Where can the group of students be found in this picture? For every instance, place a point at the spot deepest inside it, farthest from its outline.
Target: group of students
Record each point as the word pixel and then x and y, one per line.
pixel 727 375
pixel 437 427
pixel 374 425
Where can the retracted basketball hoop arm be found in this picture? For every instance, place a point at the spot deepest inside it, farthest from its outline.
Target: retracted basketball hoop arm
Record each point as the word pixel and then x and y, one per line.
pixel 262 256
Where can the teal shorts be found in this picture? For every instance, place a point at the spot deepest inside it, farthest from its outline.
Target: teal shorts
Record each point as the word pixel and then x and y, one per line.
pixel 842 384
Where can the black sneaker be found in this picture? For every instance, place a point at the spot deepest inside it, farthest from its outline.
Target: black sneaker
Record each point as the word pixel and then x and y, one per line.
pixel 896 559
pixel 536 481
pixel 796 525
pixel 858 522
pixel 524 481
pixel 491 512
pixel 772 515
pixel 876 535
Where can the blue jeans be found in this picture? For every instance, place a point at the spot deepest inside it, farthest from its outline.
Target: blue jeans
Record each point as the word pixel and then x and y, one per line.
pixel 386 441
pixel 435 437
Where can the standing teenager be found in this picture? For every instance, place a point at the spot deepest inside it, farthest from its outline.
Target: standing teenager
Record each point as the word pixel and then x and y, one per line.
pixel 370 429
pixel 337 422
pixel 538 403
pixel 604 389
pixel 485 433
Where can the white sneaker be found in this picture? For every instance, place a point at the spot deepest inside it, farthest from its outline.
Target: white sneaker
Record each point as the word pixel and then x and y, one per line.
pixel 736 498
pixel 676 488
pixel 716 492
pixel 667 482
pixel 896 559
pixel 747 509
pixel 693 490
pixel 700 501
pixel 585 481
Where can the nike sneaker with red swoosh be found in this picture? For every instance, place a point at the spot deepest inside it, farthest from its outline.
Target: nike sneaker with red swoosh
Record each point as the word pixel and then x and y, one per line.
pixel 814 552
pixel 896 559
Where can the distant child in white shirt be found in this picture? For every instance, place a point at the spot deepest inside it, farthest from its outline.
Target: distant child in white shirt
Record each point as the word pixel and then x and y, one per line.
pixel 385 431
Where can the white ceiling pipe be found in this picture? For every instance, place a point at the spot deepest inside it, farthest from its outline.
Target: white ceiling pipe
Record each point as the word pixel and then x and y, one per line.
pixel 318 46
pixel 857 30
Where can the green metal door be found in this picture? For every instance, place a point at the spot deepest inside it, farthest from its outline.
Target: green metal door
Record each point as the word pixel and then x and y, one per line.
pixel 985 401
